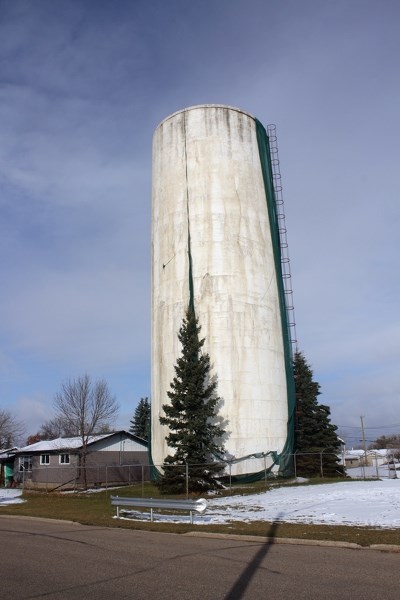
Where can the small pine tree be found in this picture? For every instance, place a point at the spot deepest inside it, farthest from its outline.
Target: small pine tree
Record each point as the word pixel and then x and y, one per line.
pixel 140 424
pixel 190 417
pixel 314 430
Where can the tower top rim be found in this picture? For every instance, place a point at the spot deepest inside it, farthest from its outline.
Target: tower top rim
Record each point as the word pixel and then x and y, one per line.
pixel 200 106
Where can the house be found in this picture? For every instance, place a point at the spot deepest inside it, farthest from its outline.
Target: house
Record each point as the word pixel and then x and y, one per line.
pixel 373 457
pixel 111 459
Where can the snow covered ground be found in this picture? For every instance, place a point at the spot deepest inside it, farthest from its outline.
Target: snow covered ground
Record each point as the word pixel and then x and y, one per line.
pixel 365 503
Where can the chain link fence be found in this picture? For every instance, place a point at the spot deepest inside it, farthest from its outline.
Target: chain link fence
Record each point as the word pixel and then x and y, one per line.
pixel 53 478
pixel 320 464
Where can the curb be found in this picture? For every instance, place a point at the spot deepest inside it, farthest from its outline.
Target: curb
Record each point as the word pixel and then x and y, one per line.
pixel 385 547
pixel 43 519
pixel 295 542
pixel 391 548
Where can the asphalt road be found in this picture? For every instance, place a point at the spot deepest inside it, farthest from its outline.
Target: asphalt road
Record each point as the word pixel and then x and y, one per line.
pixel 56 560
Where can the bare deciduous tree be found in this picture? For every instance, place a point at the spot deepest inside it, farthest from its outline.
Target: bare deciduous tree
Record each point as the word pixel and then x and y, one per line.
pixel 11 430
pixel 85 408
pixel 55 428
pixel 51 430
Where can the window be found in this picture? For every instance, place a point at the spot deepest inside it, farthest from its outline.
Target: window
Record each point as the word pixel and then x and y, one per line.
pixel 64 459
pixel 45 459
pixel 25 463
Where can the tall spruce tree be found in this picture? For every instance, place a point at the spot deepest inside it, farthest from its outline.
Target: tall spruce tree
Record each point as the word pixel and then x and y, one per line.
pixel 315 433
pixel 140 424
pixel 191 418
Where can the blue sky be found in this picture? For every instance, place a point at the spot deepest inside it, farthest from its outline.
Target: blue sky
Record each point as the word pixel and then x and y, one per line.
pixel 83 84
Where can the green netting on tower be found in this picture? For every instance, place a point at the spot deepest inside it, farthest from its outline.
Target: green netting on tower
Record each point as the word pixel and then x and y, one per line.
pixel 154 472
pixel 265 473
pixel 285 459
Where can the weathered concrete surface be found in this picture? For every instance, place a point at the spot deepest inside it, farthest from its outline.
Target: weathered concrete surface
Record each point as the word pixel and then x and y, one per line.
pixel 207 182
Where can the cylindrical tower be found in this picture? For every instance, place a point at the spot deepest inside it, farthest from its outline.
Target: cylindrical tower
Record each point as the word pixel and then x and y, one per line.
pixel 215 241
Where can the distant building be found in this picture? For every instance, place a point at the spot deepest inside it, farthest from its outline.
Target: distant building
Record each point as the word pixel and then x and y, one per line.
pixel 112 458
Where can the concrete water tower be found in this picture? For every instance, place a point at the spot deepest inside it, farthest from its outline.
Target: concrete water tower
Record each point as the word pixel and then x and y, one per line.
pixel 215 241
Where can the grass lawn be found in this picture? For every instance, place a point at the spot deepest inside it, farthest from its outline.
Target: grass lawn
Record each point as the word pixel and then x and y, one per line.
pixel 95 509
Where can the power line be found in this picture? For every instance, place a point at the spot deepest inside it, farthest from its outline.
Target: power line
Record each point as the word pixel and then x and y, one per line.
pixel 375 427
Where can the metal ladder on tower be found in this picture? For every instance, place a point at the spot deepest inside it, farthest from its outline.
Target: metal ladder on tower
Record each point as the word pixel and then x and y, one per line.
pixel 285 260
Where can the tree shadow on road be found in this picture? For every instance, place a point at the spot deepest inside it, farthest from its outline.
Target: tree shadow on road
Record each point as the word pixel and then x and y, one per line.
pixel 239 587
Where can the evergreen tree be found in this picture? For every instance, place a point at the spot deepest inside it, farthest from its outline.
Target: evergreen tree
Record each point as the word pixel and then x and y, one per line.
pixel 140 424
pixel 314 430
pixel 190 416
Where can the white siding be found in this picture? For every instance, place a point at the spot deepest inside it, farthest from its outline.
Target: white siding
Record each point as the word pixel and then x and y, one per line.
pixel 116 444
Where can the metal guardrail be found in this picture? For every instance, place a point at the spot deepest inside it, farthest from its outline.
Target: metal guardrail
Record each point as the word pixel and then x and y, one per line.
pixel 160 503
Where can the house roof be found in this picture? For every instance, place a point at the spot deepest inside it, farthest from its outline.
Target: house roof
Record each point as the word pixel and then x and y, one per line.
pixel 72 443
pixel 372 452
pixel 60 444
pixel 8 452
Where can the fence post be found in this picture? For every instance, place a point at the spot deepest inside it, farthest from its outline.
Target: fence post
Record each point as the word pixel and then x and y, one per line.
pixel 394 464
pixel 265 470
pixel 343 462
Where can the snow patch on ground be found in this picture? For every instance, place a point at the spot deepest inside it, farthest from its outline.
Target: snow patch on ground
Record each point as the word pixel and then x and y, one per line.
pixel 10 496
pixel 363 503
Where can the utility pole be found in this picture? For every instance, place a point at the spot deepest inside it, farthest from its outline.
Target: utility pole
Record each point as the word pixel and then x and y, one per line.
pixel 364 444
